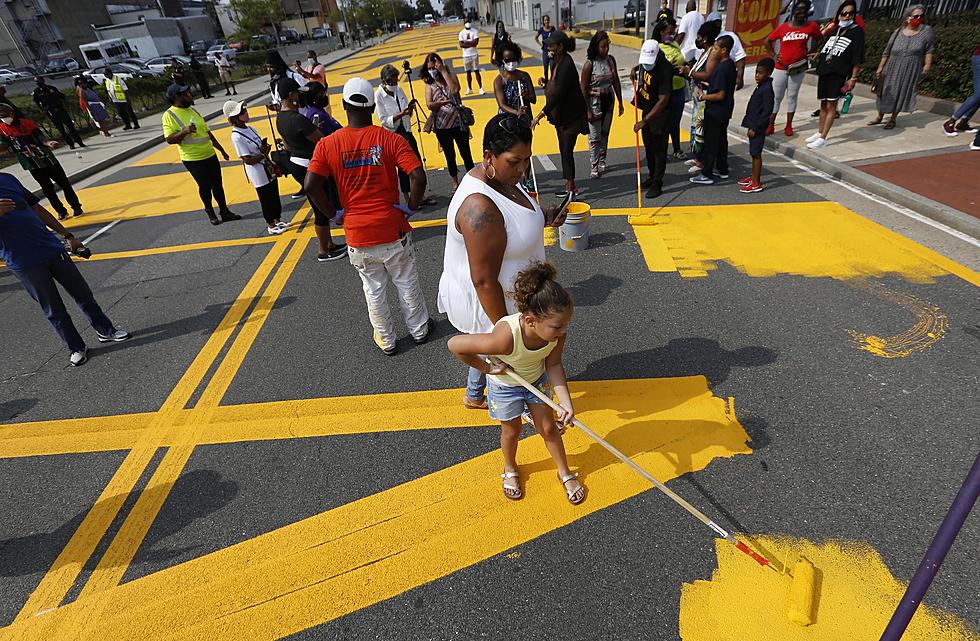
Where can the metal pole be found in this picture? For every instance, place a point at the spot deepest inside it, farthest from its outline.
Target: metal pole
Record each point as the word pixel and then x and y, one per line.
pixel 935 555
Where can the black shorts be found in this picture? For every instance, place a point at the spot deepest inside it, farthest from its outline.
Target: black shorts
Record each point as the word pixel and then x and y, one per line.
pixel 757 144
pixel 829 86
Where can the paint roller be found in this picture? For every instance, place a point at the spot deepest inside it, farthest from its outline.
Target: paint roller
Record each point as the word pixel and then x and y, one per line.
pixel 802 593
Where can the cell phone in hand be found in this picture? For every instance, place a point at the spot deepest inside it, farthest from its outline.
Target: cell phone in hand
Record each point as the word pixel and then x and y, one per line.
pixel 565 202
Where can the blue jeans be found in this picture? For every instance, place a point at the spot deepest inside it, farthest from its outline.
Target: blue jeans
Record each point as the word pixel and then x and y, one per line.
pixel 476 384
pixel 39 281
pixel 676 110
pixel 971 104
pixel 547 63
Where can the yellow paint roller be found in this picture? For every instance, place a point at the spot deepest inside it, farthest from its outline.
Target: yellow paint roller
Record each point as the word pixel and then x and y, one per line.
pixel 802 593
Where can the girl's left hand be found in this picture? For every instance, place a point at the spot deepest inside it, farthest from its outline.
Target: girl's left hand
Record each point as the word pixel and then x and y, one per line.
pixel 565 416
pixel 497 367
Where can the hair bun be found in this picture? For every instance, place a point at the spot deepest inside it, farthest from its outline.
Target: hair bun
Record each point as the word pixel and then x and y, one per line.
pixel 537 292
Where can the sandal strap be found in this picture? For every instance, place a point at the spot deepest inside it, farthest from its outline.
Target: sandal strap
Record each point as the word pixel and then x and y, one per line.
pixel 509 475
pixel 570 477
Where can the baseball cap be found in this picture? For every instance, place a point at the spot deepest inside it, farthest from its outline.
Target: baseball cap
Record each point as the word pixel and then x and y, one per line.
pixel 714 16
pixel 359 93
pixel 558 37
pixel 175 90
pixel 286 85
pixel 232 108
pixel 649 51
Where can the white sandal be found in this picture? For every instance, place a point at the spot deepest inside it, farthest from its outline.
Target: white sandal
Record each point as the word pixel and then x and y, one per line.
pixel 571 477
pixel 512 492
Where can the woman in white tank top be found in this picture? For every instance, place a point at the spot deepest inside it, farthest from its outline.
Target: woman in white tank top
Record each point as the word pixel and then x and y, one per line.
pixel 494 229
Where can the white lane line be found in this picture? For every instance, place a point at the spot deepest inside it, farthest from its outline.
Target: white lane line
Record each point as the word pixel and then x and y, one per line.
pixel 100 232
pixel 905 211
pixel 546 162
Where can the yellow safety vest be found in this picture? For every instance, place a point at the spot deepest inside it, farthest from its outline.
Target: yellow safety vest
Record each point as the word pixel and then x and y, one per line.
pixel 115 89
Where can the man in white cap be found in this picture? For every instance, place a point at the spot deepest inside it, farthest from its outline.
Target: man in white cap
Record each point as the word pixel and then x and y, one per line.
pixel 655 77
pixel 738 51
pixel 469 38
pixel 364 159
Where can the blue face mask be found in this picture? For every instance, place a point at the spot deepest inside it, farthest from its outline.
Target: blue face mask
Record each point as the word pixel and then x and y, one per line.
pixel 845 23
pixel 648 67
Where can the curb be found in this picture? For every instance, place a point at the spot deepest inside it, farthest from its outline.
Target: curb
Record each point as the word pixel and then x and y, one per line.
pixel 954 218
pixel 135 150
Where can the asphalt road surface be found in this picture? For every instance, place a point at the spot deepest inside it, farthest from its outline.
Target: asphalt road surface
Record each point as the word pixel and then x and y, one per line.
pixel 800 363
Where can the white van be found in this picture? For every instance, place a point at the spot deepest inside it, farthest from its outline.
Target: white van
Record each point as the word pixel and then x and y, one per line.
pixel 101 53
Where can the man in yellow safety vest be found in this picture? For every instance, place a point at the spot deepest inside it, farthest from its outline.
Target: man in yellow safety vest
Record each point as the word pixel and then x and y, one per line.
pixel 116 88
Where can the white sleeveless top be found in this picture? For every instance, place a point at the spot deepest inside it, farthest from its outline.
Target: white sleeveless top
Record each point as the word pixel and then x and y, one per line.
pixel 525 244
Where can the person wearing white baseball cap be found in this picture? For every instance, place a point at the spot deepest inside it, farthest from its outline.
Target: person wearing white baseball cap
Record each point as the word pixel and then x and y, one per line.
pixel 364 160
pixel 254 152
pixel 655 85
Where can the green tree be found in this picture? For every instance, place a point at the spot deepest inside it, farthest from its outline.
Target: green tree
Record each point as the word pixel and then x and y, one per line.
pixel 253 15
pixel 453 8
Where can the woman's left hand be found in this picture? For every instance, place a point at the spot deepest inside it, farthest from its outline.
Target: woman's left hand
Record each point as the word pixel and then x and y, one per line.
pixel 621 109
pixel 553 217
pixel 566 415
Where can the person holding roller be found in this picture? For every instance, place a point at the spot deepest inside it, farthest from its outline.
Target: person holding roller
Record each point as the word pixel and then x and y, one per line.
pixel 530 343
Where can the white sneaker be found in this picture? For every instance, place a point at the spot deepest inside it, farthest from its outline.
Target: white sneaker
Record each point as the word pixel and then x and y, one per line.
pixel 723 176
pixel 78 358
pixel 117 336
pixel 819 143
pixel 467 92
pixel 689 162
pixel 813 137
pixel 694 169
pixel 482 91
pixel 275 230
pixel 974 147
pixel 282 224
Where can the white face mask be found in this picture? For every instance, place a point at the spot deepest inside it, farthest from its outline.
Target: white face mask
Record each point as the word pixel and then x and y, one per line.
pixel 845 23
pixel 510 66
pixel 434 73
pixel 466 25
pixel 8 121
pixel 311 61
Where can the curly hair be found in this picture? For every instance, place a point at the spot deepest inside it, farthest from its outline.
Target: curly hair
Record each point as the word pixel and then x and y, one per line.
pixel 537 293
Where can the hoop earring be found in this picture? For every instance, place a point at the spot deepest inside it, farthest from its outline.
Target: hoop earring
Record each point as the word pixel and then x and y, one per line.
pixel 489 175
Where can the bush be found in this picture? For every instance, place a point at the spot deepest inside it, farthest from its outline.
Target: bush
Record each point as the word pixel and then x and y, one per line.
pixel 956 36
pixel 253 62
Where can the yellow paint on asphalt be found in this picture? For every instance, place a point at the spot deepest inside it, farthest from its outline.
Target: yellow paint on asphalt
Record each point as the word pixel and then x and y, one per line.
pixel 930 324
pixel 655 252
pixel 361 553
pixel 857 595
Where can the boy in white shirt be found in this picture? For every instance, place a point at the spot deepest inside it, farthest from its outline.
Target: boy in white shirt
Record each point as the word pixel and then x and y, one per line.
pixel 469 38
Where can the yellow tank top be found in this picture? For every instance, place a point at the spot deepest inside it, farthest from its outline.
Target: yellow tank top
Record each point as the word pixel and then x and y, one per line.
pixel 529 363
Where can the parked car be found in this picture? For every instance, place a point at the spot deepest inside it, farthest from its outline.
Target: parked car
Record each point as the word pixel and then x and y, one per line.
pixel 161 63
pixel 225 51
pixel 8 76
pixel 61 66
pixel 122 69
pixel 319 33
pixel 404 25
pixel 629 18
pixel 290 37
pixel 263 41
pixel 452 20
pixel 199 47
pixel 139 62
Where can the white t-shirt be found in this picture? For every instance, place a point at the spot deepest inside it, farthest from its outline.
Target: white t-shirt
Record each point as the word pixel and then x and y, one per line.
pixel 689 26
pixel 468 35
pixel 248 142
pixel 737 53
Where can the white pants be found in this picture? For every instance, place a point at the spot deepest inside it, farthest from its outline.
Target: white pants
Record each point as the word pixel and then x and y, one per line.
pixel 783 84
pixel 394 261
pixel 471 64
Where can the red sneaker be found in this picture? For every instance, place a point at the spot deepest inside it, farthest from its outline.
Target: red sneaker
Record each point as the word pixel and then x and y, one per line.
pixel 745 181
pixel 789 130
pixel 751 188
pixel 771 130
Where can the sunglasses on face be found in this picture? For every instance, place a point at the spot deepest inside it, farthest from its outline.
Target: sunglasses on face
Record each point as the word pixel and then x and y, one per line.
pixel 846 14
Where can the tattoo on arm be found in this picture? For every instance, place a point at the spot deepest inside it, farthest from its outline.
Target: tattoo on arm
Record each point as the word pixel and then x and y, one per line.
pixel 478 217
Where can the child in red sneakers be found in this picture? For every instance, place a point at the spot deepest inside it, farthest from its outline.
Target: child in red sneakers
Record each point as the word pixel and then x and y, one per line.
pixel 757 115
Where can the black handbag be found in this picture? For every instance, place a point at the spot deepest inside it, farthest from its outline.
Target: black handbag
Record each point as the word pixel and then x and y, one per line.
pixel 279 156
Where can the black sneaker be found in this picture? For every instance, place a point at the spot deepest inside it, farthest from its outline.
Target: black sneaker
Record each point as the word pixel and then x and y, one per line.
pixel 117 336
pixel 429 326
pixel 227 215
pixel 213 218
pixel 299 194
pixel 654 192
pixel 646 184
pixel 62 215
pixel 77 212
pixel 339 251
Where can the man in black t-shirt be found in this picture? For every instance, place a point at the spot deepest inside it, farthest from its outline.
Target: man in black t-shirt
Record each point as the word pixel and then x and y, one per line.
pixel 719 101
pixel 52 102
pixel 655 77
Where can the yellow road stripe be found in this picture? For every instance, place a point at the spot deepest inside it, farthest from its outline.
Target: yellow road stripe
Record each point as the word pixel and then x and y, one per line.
pixel 119 555
pixel 66 568
pixel 350 557
pixel 654 249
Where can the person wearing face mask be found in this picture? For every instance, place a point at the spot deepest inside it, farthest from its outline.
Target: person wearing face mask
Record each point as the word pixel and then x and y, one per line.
pixel 393 110
pixel 254 152
pixel 278 69
pixel 565 105
pixel 500 36
pixel 687 31
pixel 655 86
pixel 469 39
pixel 792 60
pixel 738 55
pixel 33 151
pixel 224 73
pixel 541 36
pixel 600 85
pixel 314 71
pixel 904 63
pixel 185 127
pixel 442 99
pixel 514 91
pixel 837 69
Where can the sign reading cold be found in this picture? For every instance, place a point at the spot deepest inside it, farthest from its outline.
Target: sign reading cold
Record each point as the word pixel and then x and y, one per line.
pixel 754 20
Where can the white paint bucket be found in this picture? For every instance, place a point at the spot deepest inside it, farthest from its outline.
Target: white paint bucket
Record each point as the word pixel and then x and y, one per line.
pixel 573 235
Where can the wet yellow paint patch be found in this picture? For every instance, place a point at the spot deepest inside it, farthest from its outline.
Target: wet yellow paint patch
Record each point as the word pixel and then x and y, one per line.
pixel 856 596
pixel 814 239
pixel 930 324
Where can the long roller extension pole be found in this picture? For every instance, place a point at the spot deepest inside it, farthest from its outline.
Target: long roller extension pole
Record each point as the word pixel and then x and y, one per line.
pixel 696 513
pixel 534 176
pixel 636 145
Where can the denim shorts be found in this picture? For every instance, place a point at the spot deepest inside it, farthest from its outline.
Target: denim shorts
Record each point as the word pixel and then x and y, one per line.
pixel 507 403
pixel 757 144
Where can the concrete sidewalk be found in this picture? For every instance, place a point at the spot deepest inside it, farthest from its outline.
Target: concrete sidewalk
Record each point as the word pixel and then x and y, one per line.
pixel 914 165
pixel 102 153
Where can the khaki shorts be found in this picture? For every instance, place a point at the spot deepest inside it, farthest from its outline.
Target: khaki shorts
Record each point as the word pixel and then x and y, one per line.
pixel 471 64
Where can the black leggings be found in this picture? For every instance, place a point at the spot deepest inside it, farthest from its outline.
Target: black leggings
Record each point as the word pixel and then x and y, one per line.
pixel 461 137
pixel 320 219
pixel 567 135
pixel 45 176
pixel 269 199
pixel 207 175
pixel 403 182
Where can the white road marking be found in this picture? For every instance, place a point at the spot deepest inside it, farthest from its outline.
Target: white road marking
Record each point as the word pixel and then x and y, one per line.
pixel 100 232
pixel 546 162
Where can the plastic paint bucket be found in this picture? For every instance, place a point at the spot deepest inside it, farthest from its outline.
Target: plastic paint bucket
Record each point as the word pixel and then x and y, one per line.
pixel 573 235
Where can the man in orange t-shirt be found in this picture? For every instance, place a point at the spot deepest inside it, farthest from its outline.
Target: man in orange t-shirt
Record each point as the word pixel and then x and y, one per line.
pixel 364 160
